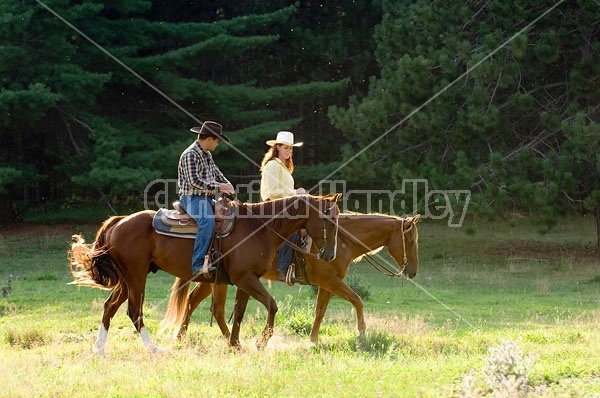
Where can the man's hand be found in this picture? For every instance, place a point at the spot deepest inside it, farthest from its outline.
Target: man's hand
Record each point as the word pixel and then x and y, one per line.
pixel 300 191
pixel 226 188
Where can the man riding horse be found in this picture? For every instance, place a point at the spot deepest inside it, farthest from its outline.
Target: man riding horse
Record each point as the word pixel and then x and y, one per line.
pixel 199 179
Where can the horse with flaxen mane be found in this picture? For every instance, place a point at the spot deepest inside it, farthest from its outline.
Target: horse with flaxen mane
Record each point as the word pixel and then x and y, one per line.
pixel 127 248
pixel 359 235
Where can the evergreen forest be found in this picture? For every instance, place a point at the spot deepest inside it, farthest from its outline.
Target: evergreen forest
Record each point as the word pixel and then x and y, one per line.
pixel 500 99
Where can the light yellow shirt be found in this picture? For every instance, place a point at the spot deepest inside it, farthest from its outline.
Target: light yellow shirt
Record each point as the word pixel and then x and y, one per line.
pixel 276 182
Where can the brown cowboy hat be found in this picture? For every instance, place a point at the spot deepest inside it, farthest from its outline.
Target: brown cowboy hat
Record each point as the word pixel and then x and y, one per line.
pixel 210 129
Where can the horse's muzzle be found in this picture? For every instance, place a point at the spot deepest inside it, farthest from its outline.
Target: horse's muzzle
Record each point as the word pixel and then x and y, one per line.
pixel 326 255
pixel 409 272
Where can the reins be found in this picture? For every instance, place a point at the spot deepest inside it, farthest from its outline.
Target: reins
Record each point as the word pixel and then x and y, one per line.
pixel 295 246
pixel 289 242
pixel 384 268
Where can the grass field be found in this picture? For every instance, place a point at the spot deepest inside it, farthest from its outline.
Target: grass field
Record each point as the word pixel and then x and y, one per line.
pixel 483 291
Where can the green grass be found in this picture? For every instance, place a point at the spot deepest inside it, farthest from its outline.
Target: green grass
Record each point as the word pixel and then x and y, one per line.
pixel 476 287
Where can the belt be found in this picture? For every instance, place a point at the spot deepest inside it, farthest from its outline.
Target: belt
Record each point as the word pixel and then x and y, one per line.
pixel 207 195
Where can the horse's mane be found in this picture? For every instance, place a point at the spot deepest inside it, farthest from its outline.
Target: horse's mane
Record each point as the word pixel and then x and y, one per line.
pixel 371 253
pixel 354 214
pixel 257 212
pixel 358 216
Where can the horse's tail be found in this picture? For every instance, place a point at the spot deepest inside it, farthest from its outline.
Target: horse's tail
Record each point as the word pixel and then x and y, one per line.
pixel 91 264
pixel 178 303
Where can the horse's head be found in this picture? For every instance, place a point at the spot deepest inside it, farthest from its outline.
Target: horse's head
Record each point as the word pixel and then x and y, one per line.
pixel 324 229
pixel 403 245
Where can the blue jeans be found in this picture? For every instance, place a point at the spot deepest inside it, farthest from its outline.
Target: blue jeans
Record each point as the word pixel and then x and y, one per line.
pixel 199 208
pixel 284 256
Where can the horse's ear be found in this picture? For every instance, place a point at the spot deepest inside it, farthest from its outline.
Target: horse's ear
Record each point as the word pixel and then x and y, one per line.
pixel 333 197
pixel 414 219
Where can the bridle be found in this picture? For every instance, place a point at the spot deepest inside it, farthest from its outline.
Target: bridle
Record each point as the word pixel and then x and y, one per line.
pixel 336 224
pixel 385 268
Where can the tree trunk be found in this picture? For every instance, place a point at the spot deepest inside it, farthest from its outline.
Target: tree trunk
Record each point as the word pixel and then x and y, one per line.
pixel 7 210
pixel 597 214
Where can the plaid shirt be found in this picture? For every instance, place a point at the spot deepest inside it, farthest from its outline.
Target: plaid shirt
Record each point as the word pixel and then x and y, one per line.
pixel 197 172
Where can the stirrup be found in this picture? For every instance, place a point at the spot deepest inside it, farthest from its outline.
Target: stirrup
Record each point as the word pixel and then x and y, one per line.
pixel 290 278
pixel 207 268
pixel 306 243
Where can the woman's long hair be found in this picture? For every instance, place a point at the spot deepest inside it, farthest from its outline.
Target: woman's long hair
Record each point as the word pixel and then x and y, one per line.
pixel 273 153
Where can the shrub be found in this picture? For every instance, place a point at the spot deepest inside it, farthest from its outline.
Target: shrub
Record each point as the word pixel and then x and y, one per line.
pixel 25 339
pixel 297 319
pixel 6 289
pixel 356 283
pixel 377 343
pixel 505 373
pixel 507 369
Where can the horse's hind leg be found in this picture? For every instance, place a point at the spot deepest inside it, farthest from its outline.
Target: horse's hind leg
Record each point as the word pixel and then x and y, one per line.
pixel 197 295
pixel 218 309
pixel 135 312
pixel 111 305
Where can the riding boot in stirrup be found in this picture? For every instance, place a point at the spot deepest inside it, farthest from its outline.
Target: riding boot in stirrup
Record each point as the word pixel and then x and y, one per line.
pixel 207 268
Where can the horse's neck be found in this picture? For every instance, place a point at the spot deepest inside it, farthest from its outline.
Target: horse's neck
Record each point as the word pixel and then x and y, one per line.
pixel 364 234
pixel 283 217
pixel 286 229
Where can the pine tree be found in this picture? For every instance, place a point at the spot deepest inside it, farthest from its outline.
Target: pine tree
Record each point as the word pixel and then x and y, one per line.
pixel 44 81
pixel 520 130
pixel 106 118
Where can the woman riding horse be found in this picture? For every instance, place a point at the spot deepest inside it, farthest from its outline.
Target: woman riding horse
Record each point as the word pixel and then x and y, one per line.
pixel 359 234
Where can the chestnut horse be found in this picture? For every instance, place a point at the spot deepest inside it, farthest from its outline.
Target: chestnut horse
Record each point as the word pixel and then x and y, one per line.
pixel 359 234
pixel 127 248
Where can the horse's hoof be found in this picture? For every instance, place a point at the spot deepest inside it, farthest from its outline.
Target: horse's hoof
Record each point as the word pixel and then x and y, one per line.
pixel 261 344
pixel 361 338
pixel 98 350
pixel 236 348
pixel 155 350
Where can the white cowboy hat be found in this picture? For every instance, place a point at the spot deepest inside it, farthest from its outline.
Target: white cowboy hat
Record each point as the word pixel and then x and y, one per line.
pixel 285 138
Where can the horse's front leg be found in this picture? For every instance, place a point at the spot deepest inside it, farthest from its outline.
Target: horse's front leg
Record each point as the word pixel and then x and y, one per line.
pixel 268 330
pixel 338 287
pixel 111 305
pixel 241 301
pixel 256 289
